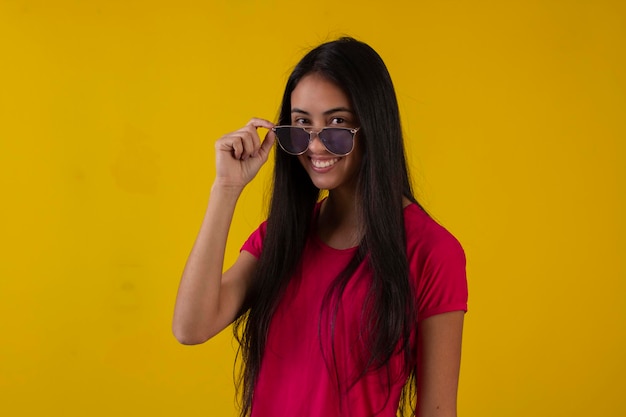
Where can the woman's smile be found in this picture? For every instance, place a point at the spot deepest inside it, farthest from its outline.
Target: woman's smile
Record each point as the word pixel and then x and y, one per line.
pixel 323 164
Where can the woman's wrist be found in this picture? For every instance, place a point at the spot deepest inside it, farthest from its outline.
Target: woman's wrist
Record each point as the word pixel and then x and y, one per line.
pixel 226 188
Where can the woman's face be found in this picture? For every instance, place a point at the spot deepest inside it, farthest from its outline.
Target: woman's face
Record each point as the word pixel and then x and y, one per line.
pixel 318 103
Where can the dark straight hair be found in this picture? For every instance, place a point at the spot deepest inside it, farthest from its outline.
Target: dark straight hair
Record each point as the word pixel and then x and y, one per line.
pixel 389 313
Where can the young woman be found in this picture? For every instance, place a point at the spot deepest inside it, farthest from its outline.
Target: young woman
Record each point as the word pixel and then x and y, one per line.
pixel 348 305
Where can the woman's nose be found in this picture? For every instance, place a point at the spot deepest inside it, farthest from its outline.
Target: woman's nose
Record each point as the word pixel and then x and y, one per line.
pixel 315 143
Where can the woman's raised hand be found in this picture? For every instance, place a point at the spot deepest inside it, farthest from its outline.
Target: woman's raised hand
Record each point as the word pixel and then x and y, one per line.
pixel 239 155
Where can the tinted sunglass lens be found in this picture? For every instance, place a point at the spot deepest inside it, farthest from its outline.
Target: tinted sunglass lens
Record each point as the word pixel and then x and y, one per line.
pixel 338 141
pixel 293 140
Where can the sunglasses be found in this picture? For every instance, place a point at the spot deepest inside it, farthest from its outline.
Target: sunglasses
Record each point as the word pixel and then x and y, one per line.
pixel 295 140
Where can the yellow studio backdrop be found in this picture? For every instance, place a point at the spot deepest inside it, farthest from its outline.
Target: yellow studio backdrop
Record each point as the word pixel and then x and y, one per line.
pixel 514 118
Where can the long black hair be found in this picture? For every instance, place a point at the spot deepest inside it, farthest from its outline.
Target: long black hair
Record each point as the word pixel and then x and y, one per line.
pixel 389 316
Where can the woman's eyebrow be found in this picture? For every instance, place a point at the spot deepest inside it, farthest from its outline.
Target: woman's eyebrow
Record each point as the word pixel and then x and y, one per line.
pixel 327 112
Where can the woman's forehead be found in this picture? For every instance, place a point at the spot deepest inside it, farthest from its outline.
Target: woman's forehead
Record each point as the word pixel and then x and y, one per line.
pixel 316 94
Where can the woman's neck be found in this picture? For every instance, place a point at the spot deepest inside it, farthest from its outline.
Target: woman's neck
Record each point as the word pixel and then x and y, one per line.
pixel 338 223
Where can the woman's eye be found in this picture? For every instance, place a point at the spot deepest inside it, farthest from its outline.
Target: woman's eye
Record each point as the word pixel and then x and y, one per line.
pixel 301 121
pixel 338 121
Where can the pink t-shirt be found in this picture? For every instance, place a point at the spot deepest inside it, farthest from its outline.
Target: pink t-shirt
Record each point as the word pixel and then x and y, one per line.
pixel 294 378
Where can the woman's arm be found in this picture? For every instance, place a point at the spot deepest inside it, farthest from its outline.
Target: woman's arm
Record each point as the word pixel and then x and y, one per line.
pixel 208 300
pixel 439 361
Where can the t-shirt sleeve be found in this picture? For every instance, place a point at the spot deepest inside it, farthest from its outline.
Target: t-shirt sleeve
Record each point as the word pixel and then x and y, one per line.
pixel 439 266
pixel 254 244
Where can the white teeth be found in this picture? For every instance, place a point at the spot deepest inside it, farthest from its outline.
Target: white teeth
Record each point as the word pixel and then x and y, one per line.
pixel 324 163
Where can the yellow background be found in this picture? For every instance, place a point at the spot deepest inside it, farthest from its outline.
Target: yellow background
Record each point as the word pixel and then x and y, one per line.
pixel 514 113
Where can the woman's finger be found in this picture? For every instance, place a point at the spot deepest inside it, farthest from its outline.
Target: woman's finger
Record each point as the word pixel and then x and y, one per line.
pixel 257 122
pixel 250 140
pixel 234 144
pixel 266 146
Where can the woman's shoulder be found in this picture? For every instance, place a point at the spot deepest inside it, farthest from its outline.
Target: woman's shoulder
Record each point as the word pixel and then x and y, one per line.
pixel 254 243
pixel 437 264
pixel 423 233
